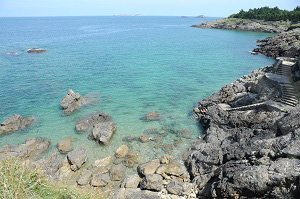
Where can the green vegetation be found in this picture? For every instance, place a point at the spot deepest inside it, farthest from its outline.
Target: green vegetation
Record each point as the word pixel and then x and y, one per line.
pixel 269 14
pixel 17 182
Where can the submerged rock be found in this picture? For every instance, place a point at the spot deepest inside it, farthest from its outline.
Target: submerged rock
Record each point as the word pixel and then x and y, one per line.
pixel 117 172
pixel 152 116
pixel 122 151
pixel 65 145
pixel 15 123
pixel 72 101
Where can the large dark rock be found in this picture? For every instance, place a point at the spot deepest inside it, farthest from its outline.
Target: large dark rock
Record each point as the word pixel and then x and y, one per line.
pixel 15 123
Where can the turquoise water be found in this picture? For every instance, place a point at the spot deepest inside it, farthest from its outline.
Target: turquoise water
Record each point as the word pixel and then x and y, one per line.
pixel 131 65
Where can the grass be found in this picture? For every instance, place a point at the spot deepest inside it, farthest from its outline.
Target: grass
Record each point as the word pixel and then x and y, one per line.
pixel 18 182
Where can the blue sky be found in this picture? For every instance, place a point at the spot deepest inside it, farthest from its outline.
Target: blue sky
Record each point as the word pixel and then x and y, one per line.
pixel 218 8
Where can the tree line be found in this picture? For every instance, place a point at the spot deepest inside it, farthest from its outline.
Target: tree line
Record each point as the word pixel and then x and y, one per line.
pixel 269 14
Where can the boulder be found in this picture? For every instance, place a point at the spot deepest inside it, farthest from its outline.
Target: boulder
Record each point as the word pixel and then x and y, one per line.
pixel 31 149
pixel 117 172
pixel 103 132
pixel 15 123
pixel 72 101
pixel 131 181
pixel 77 158
pixel 122 151
pixel 148 167
pixel 153 182
pixel 65 145
pixel 103 162
pixel 100 180
pixel 87 123
pixel 179 188
pixel 131 159
pixel 85 178
pixel 152 116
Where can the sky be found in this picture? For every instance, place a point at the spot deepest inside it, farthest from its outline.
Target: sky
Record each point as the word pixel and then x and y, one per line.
pixel 213 8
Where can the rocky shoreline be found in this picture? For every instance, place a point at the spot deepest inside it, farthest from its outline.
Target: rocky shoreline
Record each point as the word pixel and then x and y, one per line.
pixel 250 147
pixel 247 25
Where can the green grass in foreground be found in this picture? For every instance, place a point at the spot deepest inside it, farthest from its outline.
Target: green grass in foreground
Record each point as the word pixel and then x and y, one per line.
pixel 17 182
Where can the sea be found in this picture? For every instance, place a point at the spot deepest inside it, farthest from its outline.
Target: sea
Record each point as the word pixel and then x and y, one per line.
pixel 129 66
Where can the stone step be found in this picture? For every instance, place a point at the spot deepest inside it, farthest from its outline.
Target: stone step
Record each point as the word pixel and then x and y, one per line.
pixel 288 103
pixel 290 100
pixel 289 95
pixel 194 116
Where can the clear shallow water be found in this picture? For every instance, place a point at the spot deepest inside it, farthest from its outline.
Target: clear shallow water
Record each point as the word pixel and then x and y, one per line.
pixel 133 65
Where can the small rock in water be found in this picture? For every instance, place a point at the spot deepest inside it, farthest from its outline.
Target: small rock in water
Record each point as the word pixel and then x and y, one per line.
pixel 122 151
pixel 65 145
pixel 103 132
pixel 144 138
pixel 185 133
pixel 131 159
pixel 36 50
pixel 129 139
pixel 72 101
pixel 152 116
pixel 15 123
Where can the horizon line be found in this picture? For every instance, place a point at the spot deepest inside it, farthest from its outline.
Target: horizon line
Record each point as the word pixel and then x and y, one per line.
pixel 115 15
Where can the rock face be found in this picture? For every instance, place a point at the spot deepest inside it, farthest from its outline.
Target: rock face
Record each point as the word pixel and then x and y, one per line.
pixel 31 149
pixel 72 101
pixel 243 151
pixel 247 25
pixel 15 123
pixel 100 126
pixel 285 44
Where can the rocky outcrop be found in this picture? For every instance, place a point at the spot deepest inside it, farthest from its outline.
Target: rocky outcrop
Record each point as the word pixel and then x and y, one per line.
pixel 246 153
pixel 100 126
pixel 31 149
pixel 247 25
pixel 72 101
pixel 285 44
pixel 15 123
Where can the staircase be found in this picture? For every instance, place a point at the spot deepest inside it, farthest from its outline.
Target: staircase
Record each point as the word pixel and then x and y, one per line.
pixel 287 89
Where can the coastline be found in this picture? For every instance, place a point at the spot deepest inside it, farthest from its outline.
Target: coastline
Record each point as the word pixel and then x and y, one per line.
pixel 226 150
pixel 251 138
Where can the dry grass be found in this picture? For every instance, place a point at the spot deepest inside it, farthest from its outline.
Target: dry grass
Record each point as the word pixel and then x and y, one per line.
pixel 17 182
